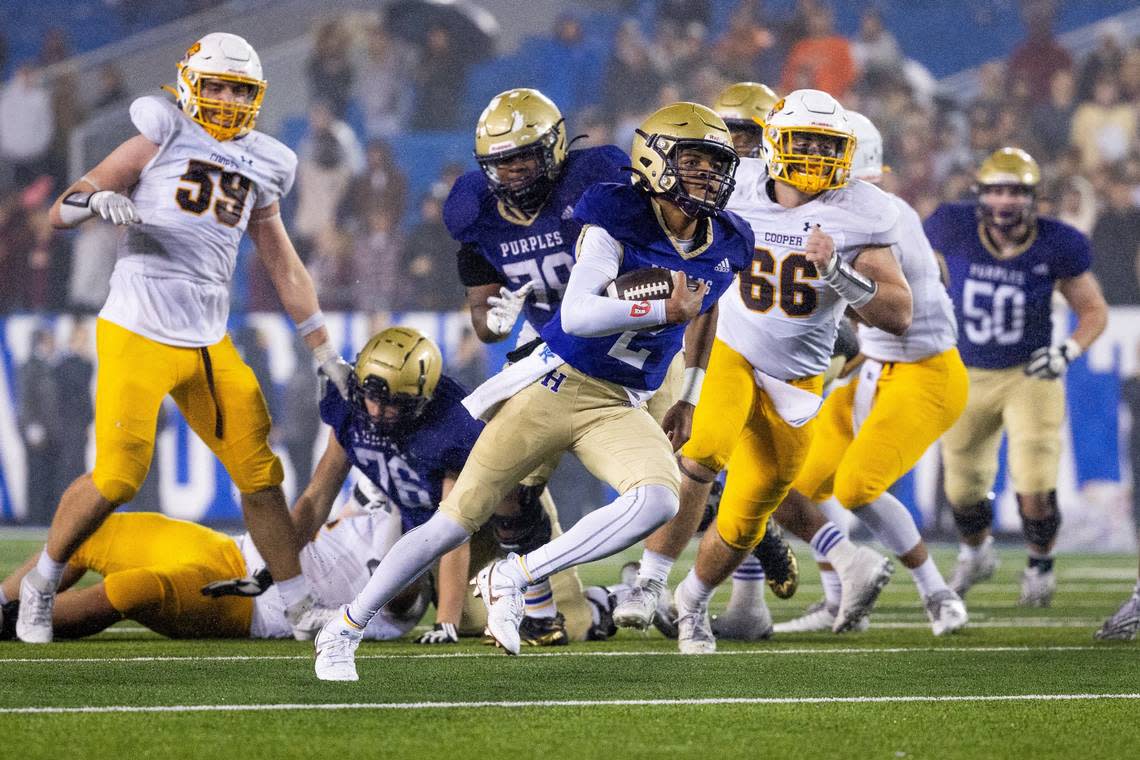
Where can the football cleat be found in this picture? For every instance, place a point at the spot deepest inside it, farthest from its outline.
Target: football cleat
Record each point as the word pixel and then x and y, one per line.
pixel 544 632
pixel 505 604
pixel 1037 587
pixel 975 568
pixel 306 618
pixel 637 605
pixel 817 617
pixel 861 584
pixel 602 602
pixel 1122 626
pixel 33 623
pixel 748 624
pixel 335 646
pixel 8 614
pixel 694 629
pixel 665 619
pixel 946 611
pixel 779 562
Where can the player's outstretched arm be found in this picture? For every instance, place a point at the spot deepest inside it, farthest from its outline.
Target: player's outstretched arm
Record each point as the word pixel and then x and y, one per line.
pixel 100 192
pixel 295 288
pixel 314 504
pixel 1084 297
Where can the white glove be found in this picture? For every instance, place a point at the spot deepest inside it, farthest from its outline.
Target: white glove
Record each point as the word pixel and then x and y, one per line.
pixel 505 308
pixel 114 207
pixel 441 633
pixel 1050 362
pixel 337 371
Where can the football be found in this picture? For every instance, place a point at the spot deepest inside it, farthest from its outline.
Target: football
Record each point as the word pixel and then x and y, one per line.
pixel 648 284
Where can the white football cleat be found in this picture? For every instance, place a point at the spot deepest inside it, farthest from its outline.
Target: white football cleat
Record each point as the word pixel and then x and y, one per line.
pixel 335 646
pixel 1122 626
pixel 946 611
pixel 744 624
pixel 817 617
pixel 975 567
pixel 505 603
pixel 1037 587
pixel 637 605
pixel 306 618
pixel 33 625
pixel 861 584
pixel 694 629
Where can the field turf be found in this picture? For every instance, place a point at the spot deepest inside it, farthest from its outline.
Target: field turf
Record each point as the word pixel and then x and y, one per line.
pixel 1018 683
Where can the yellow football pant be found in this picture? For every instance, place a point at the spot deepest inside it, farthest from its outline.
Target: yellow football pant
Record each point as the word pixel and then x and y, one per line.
pixel 735 424
pixel 136 373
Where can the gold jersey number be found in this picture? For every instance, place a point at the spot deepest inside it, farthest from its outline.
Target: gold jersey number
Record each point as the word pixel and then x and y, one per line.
pixel 199 194
pixel 761 281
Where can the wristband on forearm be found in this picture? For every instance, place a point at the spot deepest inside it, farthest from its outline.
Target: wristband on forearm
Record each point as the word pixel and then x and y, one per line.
pixel 691 385
pixel 310 325
pixel 75 208
pixel 855 288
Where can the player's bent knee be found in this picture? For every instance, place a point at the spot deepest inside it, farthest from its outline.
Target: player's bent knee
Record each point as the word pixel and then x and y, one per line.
pixel 974 517
pixel 1041 531
pixel 117 490
pixel 742 532
pixel 853 495
pixel 660 502
pixel 259 473
pixel 137 590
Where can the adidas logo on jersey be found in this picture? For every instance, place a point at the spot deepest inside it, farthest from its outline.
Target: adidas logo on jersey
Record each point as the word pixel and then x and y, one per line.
pixel 723 266
pixel 567 213
pixel 1042 269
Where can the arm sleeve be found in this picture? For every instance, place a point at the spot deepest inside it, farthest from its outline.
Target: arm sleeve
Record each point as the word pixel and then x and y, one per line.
pixel 585 312
pixel 475 270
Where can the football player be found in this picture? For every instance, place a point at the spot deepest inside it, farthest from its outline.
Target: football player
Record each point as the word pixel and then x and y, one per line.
pixel 186 188
pixel 583 390
pixel 514 220
pixel 744 106
pixel 1004 264
pixel 821 243
pixel 909 389
pixel 1125 622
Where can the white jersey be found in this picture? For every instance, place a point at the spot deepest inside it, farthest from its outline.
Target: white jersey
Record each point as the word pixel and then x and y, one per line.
pixel 337 564
pixel 782 317
pixel 171 280
pixel 933 328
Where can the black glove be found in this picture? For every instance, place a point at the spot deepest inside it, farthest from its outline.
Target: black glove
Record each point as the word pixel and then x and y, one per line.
pixel 251 585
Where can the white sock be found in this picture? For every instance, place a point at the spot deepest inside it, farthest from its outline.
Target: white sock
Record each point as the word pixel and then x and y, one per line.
pixel 540 600
pixel 747 585
pixel 408 559
pixel 695 591
pixel 293 590
pixel 832 588
pixel 605 531
pixel 890 523
pixel 967 552
pixel 50 570
pixel 654 567
pixel 927 578
pixel 830 542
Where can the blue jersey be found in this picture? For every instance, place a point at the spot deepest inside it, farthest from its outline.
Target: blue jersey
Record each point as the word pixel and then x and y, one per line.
pixel 639 359
pixel 409 465
pixel 1004 306
pixel 496 249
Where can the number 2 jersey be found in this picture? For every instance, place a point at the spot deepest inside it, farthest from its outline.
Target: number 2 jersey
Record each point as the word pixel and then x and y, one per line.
pixel 173 269
pixel 497 250
pixel 409 464
pixel 781 316
pixel 1004 306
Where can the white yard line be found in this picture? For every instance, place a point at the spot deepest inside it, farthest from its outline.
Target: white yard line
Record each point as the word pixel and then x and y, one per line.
pixel 569 703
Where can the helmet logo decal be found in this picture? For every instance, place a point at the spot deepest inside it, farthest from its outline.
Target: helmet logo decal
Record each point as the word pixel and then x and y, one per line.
pixel 193 49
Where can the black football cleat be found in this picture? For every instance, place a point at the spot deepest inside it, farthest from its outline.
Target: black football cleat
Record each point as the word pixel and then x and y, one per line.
pixel 779 562
pixel 544 632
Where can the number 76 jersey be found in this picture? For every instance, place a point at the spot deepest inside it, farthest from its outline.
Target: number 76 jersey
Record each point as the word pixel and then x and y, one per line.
pixel 781 316
pixel 172 274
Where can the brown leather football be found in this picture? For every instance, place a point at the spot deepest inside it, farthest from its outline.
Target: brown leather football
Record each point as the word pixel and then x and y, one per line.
pixel 648 284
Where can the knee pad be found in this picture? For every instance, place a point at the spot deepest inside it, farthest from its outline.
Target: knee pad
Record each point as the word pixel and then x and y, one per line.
pixel 258 472
pixel 527 530
pixel 974 518
pixel 1041 531
pixel 115 490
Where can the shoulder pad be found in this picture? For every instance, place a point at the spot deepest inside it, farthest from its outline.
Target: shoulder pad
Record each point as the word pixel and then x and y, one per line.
pixel 154 118
pixel 461 209
pixel 736 223
pixel 605 203
pixel 750 176
pixel 868 216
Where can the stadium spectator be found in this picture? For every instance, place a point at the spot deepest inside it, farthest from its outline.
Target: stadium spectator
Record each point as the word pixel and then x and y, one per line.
pixel 1077 205
pixel 876 51
pixel 298 426
pixel 1105 58
pixel 380 186
pixel 330 66
pixel 1052 119
pixel 684 12
pixel 331 266
pixel 822 60
pixel 381 84
pixel 41 426
pixel 1039 56
pixel 1116 244
pixel 430 280
pixel 743 52
pixel 27 124
pixel 376 264
pixel 92 260
pixel 440 78
pixel 631 81
pixel 329 156
pixel 55 47
pixel 110 89
pixel 1104 129
pixel 76 405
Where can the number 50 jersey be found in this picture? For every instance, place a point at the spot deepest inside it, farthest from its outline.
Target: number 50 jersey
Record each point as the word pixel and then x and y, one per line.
pixel 172 276
pixel 1004 306
pixel 781 316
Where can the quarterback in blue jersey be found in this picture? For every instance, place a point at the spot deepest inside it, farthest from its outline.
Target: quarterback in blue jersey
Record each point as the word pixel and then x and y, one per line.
pixel 1004 264
pixel 581 402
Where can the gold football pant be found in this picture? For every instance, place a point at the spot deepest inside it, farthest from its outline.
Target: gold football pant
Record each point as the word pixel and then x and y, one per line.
pixel 914 404
pixel 153 568
pixel 223 406
pixel 735 424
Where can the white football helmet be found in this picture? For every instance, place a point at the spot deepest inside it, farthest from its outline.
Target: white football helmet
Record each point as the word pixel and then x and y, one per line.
pixel 808 142
pixel 230 58
pixel 867 164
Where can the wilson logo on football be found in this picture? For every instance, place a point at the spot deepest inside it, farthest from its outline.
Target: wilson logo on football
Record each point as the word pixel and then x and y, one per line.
pixel 639 309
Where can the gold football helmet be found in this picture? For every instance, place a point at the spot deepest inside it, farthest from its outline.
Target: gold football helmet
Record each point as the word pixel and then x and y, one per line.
pixel 808 142
pixel 518 125
pixel 398 367
pixel 744 107
pixel 675 135
pixel 1012 175
pixel 1009 166
pixel 225 57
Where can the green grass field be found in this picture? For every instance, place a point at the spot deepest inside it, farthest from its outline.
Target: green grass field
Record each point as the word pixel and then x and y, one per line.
pixel 1017 683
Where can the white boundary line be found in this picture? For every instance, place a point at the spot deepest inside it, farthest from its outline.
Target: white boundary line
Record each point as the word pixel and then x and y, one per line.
pixel 756 652
pixel 568 703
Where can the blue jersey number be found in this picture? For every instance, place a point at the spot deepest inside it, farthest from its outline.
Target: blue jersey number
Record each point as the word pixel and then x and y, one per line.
pixel 549 277
pixel 993 312
pixel 399 481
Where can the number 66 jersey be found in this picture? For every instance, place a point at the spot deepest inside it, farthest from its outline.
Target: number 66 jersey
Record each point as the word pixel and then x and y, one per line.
pixel 173 269
pixel 781 316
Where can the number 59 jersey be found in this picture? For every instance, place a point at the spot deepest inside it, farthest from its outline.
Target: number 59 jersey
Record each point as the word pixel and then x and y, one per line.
pixel 1004 306
pixel 781 316
pixel 171 278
